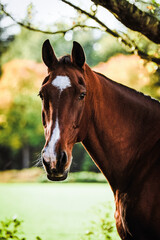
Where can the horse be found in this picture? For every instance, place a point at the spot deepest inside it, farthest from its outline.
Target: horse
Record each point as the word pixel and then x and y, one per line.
pixel 118 126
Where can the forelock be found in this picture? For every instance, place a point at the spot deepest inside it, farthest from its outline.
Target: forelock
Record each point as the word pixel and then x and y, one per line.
pixel 65 60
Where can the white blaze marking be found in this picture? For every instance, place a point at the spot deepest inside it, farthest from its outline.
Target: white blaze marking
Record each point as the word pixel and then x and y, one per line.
pixel 61 82
pixel 54 138
pixel 49 153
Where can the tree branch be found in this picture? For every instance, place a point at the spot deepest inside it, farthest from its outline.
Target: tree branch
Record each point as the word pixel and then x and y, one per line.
pixel 113 33
pixel 129 43
pixel 104 27
pixel 133 18
pixel 29 27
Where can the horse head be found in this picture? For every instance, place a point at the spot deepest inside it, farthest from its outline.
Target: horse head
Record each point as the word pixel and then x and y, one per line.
pixel 63 95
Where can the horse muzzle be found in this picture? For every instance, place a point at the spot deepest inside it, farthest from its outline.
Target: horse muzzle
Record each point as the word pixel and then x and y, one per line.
pixel 55 166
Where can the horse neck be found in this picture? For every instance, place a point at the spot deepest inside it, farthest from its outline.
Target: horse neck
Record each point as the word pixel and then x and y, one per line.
pixel 111 139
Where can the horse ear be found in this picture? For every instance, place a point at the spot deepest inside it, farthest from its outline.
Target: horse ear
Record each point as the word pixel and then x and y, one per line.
pixel 78 56
pixel 48 55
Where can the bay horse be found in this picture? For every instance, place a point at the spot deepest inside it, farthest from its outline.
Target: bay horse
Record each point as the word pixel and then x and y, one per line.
pixel 118 126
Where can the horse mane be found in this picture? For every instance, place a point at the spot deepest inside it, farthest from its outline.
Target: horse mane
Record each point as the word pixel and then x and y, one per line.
pixel 131 90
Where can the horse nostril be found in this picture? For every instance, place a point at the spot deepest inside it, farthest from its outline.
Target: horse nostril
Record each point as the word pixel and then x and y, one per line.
pixel 62 159
pixel 45 162
pixel 50 166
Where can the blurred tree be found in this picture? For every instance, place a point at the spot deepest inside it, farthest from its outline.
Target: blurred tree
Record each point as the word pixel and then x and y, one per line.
pixel 81 160
pixel 27 45
pixel 141 16
pixel 134 72
pixel 5 38
pixel 20 120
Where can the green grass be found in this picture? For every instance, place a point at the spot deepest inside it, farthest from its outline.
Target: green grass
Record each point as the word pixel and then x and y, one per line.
pixel 53 211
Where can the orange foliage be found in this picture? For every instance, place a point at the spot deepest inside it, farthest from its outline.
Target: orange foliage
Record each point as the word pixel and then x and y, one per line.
pixel 128 70
pixel 20 76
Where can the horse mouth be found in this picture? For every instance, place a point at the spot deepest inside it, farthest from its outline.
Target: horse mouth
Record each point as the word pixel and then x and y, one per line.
pixel 57 177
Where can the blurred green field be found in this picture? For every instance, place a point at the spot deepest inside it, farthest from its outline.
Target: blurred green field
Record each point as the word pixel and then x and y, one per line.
pixel 53 211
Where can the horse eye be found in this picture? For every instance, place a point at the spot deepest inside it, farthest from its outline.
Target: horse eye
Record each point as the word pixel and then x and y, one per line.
pixel 82 95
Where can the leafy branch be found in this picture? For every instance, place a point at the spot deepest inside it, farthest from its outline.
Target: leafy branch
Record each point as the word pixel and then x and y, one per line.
pixel 133 17
pixel 92 16
pixel 124 39
pixel 29 27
